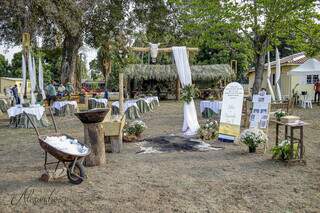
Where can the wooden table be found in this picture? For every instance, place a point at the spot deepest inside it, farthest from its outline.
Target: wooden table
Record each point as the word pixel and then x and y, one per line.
pixel 290 127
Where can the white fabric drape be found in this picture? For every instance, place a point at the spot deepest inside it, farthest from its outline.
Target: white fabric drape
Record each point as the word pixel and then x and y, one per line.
pixel 278 74
pixel 33 80
pixel 268 78
pixel 40 73
pixel 24 78
pixel 190 121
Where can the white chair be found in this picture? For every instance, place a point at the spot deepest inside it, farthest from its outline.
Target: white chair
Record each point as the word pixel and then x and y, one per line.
pixel 306 102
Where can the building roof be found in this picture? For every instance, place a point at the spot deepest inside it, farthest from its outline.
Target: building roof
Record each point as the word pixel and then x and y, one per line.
pixel 295 59
pixel 310 67
pixel 169 72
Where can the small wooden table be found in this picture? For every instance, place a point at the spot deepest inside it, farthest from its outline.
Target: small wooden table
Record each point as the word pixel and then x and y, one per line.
pixel 291 127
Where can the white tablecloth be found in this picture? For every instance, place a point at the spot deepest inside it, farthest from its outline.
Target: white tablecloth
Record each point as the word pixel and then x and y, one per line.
pixel 127 104
pixel 100 100
pixel 213 105
pixel 59 104
pixel 152 98
pixel 36 110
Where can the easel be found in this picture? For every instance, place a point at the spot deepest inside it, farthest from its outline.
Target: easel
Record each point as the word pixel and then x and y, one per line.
pixel 260 100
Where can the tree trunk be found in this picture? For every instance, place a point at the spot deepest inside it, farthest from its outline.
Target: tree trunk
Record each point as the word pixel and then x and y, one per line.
pixel 94 137
pixel 260 46
pixel 259 69
pixel 71 45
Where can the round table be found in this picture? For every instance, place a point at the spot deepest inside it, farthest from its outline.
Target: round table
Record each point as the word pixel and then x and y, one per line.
pixel 3 105
pixel 19 120
pixel 131 109
pixel 97 103
pixel 210 109
pixel 64 108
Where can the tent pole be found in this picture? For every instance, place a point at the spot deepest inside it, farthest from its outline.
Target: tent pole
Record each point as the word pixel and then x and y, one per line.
pixel 121 112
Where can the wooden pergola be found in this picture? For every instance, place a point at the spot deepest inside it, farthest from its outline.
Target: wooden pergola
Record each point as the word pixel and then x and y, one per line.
pixel 166 50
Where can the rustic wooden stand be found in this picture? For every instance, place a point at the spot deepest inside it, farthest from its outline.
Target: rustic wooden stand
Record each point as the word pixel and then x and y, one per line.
pixel 94 137
pixel 113 132
pixel 291 127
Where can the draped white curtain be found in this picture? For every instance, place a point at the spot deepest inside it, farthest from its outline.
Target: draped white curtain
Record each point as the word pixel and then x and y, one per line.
pixel 24 79
pixel 40 76
pixel 278 73
pixel 32 75
pixel 268 78
pixel 190 121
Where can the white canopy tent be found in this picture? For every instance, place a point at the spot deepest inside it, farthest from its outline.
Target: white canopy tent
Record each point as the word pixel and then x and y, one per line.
pixel 310 67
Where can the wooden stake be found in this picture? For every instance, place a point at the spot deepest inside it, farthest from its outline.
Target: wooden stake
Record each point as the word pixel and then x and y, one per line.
pixel 177 90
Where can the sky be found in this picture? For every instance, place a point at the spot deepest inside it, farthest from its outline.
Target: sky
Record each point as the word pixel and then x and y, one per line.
pixel 9 52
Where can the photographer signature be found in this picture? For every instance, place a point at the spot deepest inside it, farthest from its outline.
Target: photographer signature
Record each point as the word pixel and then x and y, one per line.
pixel 29 196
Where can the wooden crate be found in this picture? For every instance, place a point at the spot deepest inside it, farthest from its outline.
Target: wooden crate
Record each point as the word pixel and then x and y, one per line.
pixel 113 127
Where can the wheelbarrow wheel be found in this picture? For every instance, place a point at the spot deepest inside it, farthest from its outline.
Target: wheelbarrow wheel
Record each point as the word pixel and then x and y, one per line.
pixel 78 173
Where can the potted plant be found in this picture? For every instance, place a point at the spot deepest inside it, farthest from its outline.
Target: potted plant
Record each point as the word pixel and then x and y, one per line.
pixel 133 131
pixel 279 114
pixel 252 138
pixel 282 150
pixel 209 130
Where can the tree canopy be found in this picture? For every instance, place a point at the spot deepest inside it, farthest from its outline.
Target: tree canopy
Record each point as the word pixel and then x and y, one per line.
pixel 224 30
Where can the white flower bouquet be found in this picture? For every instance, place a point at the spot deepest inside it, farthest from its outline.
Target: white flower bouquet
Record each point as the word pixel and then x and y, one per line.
pixel 252 138
pixel 209 130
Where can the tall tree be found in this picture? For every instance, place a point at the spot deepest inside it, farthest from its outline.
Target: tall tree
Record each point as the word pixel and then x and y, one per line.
pixel 68 16
pixel 261 22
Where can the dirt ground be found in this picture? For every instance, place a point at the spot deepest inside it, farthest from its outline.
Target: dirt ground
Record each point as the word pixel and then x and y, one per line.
pixel 229 180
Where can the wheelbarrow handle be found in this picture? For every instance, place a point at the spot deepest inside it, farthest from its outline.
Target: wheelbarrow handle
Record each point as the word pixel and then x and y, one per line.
pixel 35 128
pixel 54 122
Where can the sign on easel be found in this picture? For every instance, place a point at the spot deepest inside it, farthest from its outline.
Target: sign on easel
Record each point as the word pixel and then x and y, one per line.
pixel 259 118
pixel 231 112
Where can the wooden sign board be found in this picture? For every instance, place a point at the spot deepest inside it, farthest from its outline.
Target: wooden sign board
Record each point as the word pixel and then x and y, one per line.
pixel 231 112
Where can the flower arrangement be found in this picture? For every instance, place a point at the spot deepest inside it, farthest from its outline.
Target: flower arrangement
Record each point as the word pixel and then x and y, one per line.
pixel 282 151
pixel 189 92
pixel 209 130
pixel 252 138
pixel 133 130
pixel 279 114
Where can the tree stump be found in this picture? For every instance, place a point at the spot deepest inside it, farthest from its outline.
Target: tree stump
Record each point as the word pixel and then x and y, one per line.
pixel 116 143
pixel 94 137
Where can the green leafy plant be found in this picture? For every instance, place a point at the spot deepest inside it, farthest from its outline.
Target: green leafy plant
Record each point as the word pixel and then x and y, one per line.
pixel 209 130
pixel 279 114
pixel 135 128
pixel 282 151
pixel 189 92
pixel 252 138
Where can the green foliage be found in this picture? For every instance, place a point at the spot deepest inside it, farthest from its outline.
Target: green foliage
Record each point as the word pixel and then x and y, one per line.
pixel 135 128
pixel 4 66
pixel 279 114
pixel 95 70
pixel 189 92
pixel 282 151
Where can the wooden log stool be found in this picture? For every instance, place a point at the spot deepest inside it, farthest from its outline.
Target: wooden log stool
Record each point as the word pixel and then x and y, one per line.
pixel 94 137
pixel 290 128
